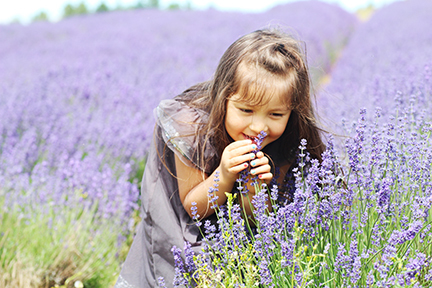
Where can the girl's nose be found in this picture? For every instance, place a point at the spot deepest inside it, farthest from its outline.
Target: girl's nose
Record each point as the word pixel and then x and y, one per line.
pixel 257 125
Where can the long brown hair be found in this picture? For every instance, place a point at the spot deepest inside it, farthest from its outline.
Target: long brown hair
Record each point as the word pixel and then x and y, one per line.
pixel 260 55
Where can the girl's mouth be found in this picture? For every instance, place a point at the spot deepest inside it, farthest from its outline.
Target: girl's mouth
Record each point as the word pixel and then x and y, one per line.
pixel 257 140
pixel 248 137
pixel 253 138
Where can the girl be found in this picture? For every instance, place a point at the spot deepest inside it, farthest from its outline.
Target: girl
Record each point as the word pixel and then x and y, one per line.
pixel 261 84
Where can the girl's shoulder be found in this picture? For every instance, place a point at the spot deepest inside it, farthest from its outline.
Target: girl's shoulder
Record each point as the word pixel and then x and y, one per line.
pixel 178 120
pixel 180 124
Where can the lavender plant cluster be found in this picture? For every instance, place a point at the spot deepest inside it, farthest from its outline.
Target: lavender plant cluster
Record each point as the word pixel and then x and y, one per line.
pixel 367 226
pixel 386 64
pixel 76 97
pixel 387 80
pixel 361 217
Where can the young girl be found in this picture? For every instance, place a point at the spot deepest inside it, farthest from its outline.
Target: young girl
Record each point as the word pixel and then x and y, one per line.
pixel 208 132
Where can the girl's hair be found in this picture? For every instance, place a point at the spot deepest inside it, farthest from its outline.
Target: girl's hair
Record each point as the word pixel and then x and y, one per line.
pixel 264 62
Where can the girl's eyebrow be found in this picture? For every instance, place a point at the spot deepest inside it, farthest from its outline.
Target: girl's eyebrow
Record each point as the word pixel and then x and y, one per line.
pixel 238 103
pixel 280 109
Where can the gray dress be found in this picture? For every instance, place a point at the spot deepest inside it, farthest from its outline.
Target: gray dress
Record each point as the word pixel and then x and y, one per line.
pixel 165 222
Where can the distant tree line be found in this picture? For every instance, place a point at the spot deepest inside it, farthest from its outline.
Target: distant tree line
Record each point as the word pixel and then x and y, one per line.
pixel 81 9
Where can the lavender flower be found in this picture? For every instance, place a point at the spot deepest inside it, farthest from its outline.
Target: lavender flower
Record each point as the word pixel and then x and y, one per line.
pixel 213 190
pixel 194 212
pixel 180 271
pixel 258 140
pixel 161 282
pixel 189 258
pixel 265 273
pixel 383 196
pixel 245 175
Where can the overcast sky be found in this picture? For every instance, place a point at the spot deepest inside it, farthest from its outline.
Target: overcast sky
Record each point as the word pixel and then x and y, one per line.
pixel 25 10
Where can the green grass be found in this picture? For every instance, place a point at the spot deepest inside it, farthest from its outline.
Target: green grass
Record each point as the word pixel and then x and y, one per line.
pixel 58 248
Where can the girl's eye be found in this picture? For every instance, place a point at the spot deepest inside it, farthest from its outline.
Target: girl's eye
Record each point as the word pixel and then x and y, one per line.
pixel 277 114
pixel 246 110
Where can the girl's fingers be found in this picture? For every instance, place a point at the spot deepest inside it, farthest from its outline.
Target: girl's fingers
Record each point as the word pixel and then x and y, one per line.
pixel 263 169
pixel 237 144
pixel 259 154
pixel 239 160
pixel 259 161
pixel 238 168
pixel 238 156
pixel 240 147
pixel 265 176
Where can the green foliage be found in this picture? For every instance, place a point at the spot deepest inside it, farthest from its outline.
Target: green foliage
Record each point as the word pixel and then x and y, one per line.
pixel 174 6
pixel 57 248
pixel 153 3
pixel 70 10
pixel 144 4
pixel 42 16
pixel 139 5
pixel 81 9
pixel 102 8
pixel 139 168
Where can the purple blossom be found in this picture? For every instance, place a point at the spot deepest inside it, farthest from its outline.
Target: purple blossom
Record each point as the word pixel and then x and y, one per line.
pixel 213 190
pixel 383 195
pixel 287 252
pixel 414 266
pixel 189 258
pixel 274 193
pixel 258 140
pixel 194 211
pixel 265 273
pixel 180 271
pixel 209 230
pixel 161 282
pixel 245 175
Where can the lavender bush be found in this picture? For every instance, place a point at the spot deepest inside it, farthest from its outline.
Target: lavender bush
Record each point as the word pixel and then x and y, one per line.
pixel 76 99
pixel 361 218
pixel 366 224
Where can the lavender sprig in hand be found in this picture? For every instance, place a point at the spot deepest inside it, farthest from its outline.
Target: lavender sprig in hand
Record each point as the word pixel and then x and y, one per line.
pixel 245 174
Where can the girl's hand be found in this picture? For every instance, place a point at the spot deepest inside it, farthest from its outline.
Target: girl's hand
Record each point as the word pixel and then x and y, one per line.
pixel 260 167
pixel 236 156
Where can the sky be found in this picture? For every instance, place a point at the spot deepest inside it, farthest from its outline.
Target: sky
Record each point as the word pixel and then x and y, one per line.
pixel 25 10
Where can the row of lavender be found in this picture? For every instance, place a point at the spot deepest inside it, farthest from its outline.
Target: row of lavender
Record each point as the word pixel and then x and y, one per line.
pixel 76 97
pixel 362 217
pixel 383 78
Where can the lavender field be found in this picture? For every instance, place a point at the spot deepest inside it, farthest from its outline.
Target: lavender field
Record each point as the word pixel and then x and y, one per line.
pixel 76 119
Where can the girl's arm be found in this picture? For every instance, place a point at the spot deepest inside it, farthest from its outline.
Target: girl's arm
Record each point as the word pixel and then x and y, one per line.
pixel 194 184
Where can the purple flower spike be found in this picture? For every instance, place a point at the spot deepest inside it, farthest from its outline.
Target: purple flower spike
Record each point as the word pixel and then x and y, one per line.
pixel 161 282
pixel 212 192
pixel 179 268
pixel 258 140
pixel 244 175
pixel 189 258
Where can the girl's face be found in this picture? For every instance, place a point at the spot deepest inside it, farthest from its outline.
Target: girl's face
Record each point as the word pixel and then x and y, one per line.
pixel 244 121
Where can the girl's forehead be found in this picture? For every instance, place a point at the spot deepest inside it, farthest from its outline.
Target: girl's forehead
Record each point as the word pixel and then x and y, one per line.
pixel 269 101
pixel 260 87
